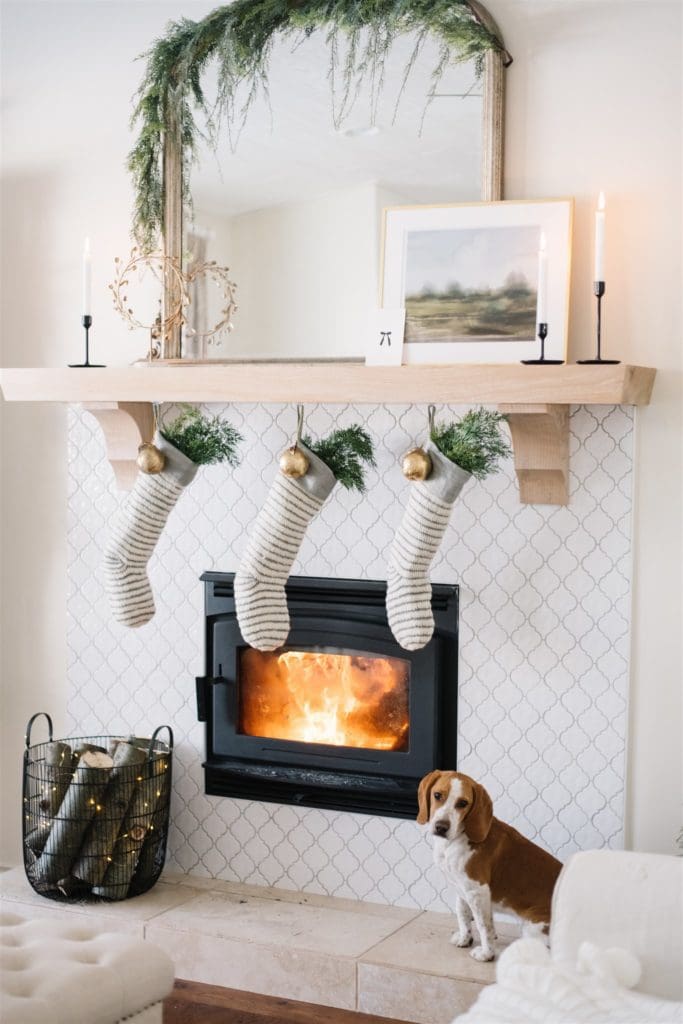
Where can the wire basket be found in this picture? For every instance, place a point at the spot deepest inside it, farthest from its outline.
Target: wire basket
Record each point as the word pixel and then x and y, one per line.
pixel 95 814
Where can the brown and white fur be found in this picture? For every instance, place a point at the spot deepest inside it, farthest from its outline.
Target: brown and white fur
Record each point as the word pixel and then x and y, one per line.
pixel 488 861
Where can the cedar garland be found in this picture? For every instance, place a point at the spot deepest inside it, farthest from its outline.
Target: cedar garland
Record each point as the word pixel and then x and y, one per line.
pixel 241 35
pixel 474 442
pixel 204 439
pixel 344 451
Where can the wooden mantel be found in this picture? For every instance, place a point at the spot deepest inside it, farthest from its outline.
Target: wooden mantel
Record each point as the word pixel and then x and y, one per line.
pixel 535 399
pixel 334 382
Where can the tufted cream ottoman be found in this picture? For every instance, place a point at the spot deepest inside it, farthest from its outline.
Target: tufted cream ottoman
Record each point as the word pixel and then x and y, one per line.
pixel 56 972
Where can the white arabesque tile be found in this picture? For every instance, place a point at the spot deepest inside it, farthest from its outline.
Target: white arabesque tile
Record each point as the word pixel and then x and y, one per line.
pixel 545 595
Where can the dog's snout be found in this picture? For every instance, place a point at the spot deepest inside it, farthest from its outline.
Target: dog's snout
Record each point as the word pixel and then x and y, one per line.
pixel 441 827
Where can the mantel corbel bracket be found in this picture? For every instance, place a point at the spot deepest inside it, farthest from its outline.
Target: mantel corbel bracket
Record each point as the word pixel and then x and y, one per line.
pixel 125 426
pixel 540 440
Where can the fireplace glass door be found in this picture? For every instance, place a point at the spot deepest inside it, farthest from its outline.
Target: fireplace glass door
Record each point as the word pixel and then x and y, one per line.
pixel 324 696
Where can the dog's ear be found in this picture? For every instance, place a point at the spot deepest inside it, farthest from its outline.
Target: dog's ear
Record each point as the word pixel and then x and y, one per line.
pixel 424 791
pixel 480 815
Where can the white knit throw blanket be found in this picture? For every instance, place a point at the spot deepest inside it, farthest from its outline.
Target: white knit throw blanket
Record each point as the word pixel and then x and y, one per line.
pixel 531 988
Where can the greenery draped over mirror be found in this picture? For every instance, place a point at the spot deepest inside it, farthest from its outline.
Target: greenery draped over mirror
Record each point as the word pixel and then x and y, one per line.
pixel 240 37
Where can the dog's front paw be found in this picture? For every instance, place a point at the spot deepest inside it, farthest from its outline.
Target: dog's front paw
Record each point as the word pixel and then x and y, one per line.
pixel 482 954
pixel 461 939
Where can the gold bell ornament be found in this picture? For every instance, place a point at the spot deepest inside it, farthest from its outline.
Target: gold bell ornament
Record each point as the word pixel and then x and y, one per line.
pixel 293 462
pixel 150 459
pixel 416 464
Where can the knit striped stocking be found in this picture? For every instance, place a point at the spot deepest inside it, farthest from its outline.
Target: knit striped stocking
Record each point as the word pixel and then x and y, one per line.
pixel 136 531
pixel 260 599
pixel 409 591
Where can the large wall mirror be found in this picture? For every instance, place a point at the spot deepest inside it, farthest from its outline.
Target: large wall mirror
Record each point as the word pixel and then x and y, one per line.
pixel 292 197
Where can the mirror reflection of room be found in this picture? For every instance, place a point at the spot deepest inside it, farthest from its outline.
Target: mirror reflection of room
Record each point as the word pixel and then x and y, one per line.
pixel 292 199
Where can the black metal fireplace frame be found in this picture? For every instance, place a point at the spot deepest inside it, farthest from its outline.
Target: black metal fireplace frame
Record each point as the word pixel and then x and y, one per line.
pixel 332 615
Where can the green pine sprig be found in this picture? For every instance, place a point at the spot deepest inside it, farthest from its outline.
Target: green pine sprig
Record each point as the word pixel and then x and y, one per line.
pixel 475 442
pixel 240 37
pixel 345 451
pixel 204 439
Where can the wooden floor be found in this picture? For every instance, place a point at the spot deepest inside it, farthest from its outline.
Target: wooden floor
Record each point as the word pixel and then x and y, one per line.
pixel 192 1003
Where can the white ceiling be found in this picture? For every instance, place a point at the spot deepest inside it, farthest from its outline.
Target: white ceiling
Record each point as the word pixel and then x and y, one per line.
pixel 290 151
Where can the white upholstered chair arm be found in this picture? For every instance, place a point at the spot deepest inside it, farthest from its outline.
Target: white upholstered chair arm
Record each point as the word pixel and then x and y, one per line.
pixel 632 900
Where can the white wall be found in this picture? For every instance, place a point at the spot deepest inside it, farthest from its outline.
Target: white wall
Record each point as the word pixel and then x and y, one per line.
pixel 594 102
pixel 68 77
pixel 306 275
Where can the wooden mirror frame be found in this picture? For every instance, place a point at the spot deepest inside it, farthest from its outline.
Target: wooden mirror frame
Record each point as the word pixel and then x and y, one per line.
pixel 493 124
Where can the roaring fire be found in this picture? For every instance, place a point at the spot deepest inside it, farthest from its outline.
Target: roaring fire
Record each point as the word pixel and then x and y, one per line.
pixel 314 697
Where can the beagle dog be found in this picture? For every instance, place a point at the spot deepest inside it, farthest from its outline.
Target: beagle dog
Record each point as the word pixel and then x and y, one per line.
pixel 489 862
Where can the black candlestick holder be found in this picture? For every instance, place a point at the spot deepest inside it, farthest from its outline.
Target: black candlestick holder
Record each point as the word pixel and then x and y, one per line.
pixel 599 291
pixel 543 334
pixel 87 323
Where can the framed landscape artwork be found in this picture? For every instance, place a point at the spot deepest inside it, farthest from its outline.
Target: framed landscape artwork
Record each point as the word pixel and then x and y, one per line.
pixel 467 275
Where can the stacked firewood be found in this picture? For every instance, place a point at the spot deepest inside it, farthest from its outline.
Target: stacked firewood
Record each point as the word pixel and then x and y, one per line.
pixel 101 817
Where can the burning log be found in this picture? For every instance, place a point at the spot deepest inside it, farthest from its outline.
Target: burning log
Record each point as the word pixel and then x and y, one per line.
pixel 321 697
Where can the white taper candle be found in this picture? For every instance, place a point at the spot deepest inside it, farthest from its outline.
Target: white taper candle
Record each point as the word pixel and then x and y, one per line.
pixel 87 278
pixel 542 290
pixel 599 274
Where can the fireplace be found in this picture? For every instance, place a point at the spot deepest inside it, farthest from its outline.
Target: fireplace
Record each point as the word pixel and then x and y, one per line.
pixel 341 717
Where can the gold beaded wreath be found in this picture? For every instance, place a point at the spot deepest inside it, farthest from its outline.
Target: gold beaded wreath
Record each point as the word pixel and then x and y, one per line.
pixel 161 266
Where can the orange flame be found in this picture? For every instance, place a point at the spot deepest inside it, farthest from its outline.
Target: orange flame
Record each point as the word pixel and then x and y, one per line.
pixel 339 699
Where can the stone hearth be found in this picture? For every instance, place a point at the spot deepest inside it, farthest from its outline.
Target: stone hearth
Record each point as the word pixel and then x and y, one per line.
pixel 390 961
